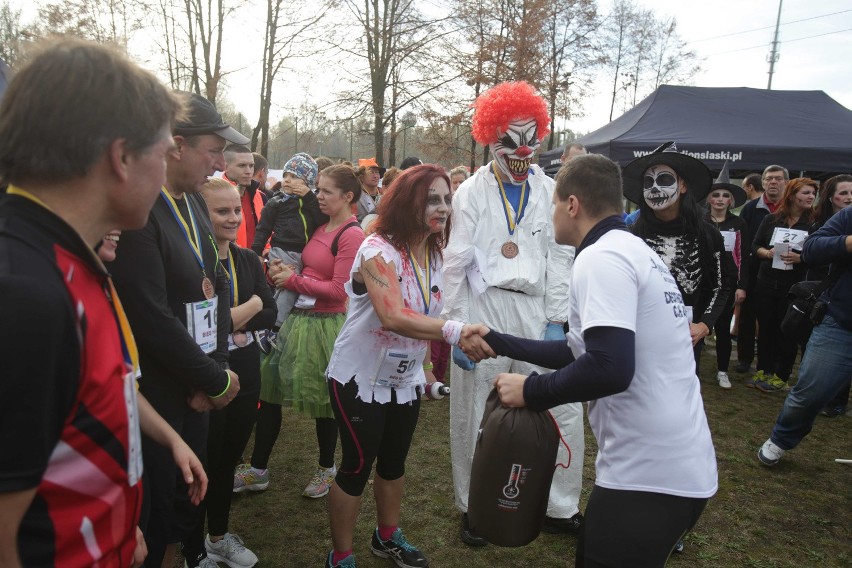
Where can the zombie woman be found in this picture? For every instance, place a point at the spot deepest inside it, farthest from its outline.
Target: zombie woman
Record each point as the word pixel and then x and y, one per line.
pixel 381 363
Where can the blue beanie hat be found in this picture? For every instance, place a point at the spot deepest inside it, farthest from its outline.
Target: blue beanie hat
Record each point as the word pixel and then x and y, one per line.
pixel 303 166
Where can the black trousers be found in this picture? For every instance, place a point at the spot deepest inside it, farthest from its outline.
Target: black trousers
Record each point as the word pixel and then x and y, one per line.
pixel 230 430
pixel 747 329
pixel 633 528
pixel 168 515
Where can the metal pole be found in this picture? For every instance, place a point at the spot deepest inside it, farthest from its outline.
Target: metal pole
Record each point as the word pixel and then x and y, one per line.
pixel 773 55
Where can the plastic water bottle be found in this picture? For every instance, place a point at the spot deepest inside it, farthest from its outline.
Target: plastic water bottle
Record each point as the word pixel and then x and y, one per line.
pixel 437 390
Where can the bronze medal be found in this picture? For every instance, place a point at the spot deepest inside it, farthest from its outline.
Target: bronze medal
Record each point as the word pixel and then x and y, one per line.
pixel 207 288
pixel 240 338
pixel 509 249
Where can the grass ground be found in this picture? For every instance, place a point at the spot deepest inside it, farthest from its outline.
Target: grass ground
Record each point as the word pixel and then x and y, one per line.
pixel 796 514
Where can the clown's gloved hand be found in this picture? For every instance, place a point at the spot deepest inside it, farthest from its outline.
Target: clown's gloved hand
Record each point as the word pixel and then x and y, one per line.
pixel 554 332
pixel 460 359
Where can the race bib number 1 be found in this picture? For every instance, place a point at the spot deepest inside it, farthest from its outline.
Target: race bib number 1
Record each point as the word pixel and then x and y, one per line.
pixel 201 323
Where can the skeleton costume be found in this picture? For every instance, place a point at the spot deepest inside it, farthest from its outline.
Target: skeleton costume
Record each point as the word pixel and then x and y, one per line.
pixel 502 267
pixel 692 249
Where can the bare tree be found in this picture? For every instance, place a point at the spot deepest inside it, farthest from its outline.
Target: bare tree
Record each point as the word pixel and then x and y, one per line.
pixel 191 38
pixel 619 25
pixel 672 61
pixel 643 52
pixel 396 41
pixel 12 34
pixel 287 33
pixel 99 20
pixel 570 52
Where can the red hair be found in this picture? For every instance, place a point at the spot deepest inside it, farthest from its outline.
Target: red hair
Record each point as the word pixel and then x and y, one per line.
pixel 494 109
pixel 785 207
pixel 403 205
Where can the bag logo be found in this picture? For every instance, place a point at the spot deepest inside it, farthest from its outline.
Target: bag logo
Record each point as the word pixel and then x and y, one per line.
pixel 511 489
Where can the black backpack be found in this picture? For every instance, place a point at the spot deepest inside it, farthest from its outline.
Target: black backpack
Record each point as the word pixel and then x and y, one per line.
pixel 340 232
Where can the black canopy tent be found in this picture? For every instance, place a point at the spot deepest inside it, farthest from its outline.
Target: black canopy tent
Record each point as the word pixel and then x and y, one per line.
pixel 801 130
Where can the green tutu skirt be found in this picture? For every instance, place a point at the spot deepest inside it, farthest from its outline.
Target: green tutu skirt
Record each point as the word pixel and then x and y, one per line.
pixel 293 374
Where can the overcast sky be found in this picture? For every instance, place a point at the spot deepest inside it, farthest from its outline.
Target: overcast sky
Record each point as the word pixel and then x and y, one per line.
pixel 740 59
pixel 731 36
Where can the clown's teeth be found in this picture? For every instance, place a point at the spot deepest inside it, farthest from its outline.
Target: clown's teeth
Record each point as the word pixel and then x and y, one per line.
pixel 519 166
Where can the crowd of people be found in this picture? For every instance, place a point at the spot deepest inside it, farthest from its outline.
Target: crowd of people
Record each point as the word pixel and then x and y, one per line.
pixel 191 300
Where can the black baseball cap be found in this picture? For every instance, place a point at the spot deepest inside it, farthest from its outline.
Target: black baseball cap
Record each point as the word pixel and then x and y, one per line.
pixel 202 118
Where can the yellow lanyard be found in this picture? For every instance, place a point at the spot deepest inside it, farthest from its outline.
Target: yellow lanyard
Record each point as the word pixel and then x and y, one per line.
pixel 511 221
pixel 232 272
pixel 192 238
pixel 128 343
pixel 425 283
pixel 12 190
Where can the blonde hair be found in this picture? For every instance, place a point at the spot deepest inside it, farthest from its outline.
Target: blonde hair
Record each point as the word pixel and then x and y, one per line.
pixel 215 184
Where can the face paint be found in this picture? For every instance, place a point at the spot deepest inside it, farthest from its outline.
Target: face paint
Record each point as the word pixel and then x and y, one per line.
pixel 659 187
pixel 438 206
pixel 514 149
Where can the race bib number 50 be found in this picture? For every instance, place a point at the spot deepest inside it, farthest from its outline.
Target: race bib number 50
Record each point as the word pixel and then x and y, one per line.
pixel 401 369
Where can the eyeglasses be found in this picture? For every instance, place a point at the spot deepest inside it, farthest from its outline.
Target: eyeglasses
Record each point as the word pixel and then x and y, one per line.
pixel 774 178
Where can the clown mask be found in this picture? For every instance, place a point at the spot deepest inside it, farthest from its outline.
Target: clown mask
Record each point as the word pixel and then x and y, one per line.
pixel 660 187
pixel 514 149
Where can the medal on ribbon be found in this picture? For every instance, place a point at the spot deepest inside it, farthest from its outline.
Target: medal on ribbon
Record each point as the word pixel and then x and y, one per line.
pixel 509 249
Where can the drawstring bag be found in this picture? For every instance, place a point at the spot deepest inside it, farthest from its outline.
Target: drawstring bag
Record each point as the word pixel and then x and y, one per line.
pixel 513 467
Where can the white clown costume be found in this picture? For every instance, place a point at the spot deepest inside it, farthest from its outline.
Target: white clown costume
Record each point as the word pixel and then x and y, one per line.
pixel 504 269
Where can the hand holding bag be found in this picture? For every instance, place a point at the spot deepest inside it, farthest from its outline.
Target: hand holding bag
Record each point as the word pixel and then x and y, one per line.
pixel 806 309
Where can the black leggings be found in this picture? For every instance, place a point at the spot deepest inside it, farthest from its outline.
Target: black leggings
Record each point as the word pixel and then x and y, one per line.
pixel 269 425
pixel 633 528
pixel 371 431
pixel 723 337
pixel 230 429
pixel 776 352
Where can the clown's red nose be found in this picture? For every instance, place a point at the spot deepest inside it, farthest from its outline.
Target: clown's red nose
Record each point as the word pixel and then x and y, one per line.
pixel 523 151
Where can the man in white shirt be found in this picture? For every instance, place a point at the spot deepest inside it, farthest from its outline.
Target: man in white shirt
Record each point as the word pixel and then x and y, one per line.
pixel 629 352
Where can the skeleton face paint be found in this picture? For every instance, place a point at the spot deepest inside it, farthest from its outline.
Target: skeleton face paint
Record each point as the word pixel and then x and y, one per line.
pixel 514 149
pixel 660 187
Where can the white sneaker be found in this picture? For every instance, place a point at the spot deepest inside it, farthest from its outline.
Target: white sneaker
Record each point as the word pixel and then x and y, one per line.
pixel 769 453
pixel 723 379
pixel 231 551
pixel 320 483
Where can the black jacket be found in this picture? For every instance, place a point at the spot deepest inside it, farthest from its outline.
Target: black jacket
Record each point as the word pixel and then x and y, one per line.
pixel 157 274
pixel 251 280
pixel 736 224
pixel 772 280
pixel 290 219
pixel 705 275
pixel 752 213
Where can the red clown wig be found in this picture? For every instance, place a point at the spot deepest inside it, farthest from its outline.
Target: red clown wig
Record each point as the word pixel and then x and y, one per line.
pixel 494 109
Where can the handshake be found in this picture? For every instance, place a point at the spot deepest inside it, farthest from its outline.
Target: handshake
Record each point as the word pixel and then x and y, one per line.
pixel 472 348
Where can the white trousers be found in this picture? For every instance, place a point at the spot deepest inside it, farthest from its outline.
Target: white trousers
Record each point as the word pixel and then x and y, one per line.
pixel 522 316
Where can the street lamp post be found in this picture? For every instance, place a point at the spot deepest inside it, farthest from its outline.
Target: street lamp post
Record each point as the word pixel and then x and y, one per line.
pixel 409 120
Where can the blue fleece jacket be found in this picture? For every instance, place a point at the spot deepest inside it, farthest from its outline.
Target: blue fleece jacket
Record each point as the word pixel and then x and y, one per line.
pixel 828 245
